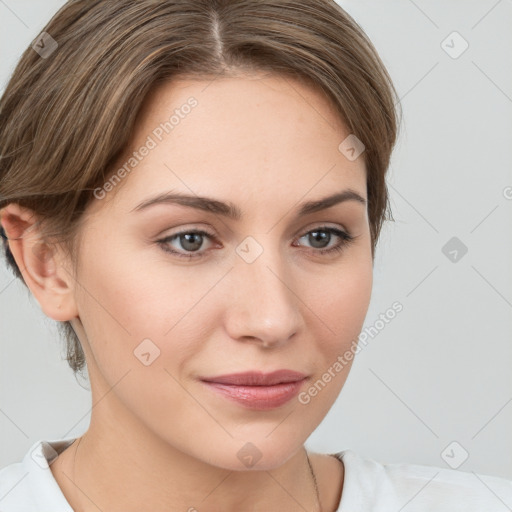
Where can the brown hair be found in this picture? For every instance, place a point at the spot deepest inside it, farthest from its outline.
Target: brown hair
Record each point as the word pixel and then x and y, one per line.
pixel 66 117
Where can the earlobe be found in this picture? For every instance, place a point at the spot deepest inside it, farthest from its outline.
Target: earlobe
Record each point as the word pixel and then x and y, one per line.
pixel 39 262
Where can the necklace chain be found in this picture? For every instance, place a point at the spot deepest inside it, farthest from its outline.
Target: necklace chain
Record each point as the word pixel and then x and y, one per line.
pixel 73 472
pixel 315 482
pixel 311 470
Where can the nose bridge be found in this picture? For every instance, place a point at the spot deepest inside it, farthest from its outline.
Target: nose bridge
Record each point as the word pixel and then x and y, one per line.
pixel 264 304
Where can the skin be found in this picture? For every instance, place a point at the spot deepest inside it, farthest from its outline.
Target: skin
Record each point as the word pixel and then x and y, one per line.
pixel 158 438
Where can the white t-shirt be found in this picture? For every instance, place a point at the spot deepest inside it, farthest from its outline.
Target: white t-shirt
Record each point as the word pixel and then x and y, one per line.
pixel 29 486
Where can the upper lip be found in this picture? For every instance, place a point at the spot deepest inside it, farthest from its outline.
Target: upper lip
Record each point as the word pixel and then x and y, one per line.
pixel 257 378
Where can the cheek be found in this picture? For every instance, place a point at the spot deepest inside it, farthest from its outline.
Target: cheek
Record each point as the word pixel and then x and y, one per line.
pixel 339 310
pixel 340 301
pixel 126 314
pixel 128 298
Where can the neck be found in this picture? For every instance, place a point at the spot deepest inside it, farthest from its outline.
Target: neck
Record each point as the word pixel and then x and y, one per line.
pixel 121 471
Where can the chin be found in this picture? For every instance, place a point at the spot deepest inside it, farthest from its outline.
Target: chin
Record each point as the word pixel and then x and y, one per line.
pixel 257 453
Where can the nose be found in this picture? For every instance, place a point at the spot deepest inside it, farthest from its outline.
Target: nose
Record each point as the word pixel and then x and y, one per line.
pixel 262 306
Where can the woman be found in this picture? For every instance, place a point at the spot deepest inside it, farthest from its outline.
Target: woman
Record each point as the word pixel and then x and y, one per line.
pixel 194 189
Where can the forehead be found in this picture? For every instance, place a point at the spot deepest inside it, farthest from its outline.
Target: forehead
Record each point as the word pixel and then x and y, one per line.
pixel 216 136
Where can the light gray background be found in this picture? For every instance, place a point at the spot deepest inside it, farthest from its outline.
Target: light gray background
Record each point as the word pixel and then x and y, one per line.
pixel 440 371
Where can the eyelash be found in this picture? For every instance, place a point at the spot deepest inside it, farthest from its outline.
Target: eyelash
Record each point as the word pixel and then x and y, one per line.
pixel 346 240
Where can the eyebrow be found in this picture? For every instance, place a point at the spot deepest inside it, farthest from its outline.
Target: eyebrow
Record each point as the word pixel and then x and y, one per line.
pixel 232 211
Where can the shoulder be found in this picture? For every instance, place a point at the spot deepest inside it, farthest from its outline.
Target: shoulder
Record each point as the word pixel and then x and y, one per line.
pixel 29 485
pixel 371 485
pixel 14 491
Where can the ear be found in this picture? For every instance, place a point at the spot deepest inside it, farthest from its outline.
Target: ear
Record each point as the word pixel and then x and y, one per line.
pixel 45 269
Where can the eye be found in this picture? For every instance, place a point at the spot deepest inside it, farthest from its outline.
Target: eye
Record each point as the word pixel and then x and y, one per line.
pixel 191 241
pixel 323 235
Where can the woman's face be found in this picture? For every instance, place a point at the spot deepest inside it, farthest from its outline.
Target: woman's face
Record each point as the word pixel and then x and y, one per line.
pixel 254 293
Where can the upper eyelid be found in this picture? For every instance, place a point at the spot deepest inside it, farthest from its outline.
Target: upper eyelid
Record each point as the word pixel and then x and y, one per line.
pixel 213 237
pixel 304 231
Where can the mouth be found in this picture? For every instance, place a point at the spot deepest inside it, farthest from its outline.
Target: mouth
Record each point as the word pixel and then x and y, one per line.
pixel 257 390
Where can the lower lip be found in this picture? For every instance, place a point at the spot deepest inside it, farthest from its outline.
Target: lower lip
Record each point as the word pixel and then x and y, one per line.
pixel 258 397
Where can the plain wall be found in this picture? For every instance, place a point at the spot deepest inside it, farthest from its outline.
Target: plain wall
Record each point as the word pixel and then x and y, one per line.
pixel 439 371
